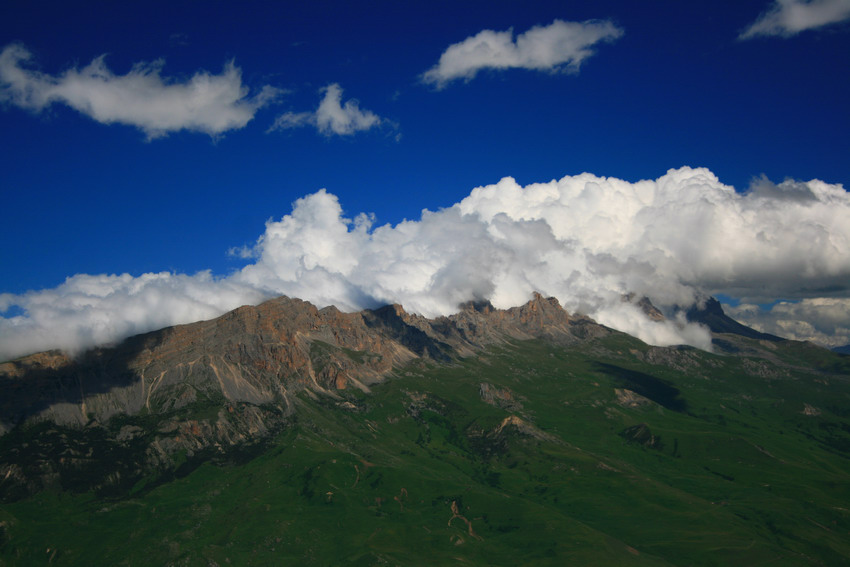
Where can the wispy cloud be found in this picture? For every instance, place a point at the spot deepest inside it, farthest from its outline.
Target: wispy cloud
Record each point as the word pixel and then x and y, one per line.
pixel 331 117
pixel 786 18
pixel 143 98
pixel 584 239
pixel 560 46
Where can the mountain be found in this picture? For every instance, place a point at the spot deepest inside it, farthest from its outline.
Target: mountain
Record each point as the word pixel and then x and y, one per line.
pixel 712 316
pixel 842 349
pixel 282 432
pixel 235 380
pixel 261 355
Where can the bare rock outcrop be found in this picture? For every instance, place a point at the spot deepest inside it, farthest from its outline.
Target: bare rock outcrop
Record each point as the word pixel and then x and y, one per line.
pixel 502 398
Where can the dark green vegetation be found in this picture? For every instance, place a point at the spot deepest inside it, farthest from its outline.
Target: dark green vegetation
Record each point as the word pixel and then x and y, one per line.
pixel 605 452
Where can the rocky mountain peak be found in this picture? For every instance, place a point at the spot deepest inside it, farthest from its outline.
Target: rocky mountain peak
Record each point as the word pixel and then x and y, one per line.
pixel 645 305
pixel 710 313
pixel 481 306
pixel 260 354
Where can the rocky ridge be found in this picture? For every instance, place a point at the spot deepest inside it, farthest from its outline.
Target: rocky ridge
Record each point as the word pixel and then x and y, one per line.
pixel 228 383
pixel 262 355
pixel 219 388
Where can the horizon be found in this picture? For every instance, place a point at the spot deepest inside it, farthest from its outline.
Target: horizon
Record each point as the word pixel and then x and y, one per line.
pixel 159 170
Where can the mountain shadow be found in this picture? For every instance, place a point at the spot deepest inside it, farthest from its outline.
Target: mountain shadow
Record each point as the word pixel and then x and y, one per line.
pixel 388 320
pixel 648 386
pixel 37 382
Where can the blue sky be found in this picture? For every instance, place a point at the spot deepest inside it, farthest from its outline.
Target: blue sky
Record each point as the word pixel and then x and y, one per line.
pixel 665 85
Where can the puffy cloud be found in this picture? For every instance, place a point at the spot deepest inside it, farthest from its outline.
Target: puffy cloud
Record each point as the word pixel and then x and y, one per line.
pixel 560 46
pixel 584 239
pixel 332 117
pixel 822 320
pixel 207 103
pixel 789 17
pixel 686 228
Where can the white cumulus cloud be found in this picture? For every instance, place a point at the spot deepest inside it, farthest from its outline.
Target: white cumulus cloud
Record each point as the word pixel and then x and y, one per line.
pixel 143 98
pixel 332 117
pixel 560 46
pixel 786 18
pixel 89 310
pixel 584 239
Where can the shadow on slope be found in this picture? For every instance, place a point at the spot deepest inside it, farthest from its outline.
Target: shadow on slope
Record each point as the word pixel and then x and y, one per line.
pixel 32 384
pixel 648 386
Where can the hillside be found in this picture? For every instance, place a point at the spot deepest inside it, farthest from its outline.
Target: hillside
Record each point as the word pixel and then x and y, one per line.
pixel 283 433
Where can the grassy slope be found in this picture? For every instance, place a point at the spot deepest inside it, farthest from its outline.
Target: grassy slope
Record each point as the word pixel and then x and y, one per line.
pixel 738 473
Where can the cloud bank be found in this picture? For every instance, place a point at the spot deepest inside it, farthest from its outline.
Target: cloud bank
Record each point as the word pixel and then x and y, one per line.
pixel 143 98
pixel 823 320
pixel 584 239
pixel 88 310
pixel 560 46
pixel 332 117
pixel 786 18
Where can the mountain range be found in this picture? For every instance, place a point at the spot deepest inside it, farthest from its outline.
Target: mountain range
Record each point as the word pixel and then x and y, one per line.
pixel 282 432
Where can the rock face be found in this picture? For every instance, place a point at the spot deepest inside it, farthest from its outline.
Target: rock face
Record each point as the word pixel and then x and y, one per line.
pixel 227 382
pixel 256 355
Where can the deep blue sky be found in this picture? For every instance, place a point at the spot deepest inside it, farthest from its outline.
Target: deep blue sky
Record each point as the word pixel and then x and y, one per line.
pixel 678 88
